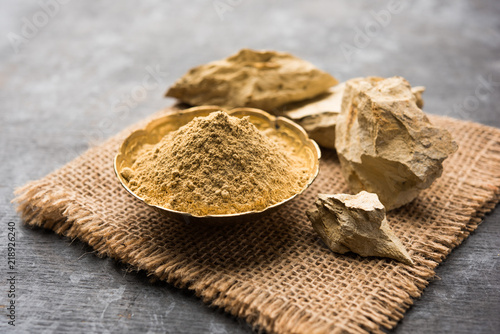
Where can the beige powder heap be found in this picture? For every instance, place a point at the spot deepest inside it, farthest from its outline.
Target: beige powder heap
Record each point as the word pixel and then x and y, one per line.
pixel 217 164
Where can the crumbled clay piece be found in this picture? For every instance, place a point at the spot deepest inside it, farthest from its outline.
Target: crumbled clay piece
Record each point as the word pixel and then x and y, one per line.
pixel 259 79
pixel 385 143
pixel 321 128
pixel 356 223
pixel 318 115
pixel 330 101
pixel 417 92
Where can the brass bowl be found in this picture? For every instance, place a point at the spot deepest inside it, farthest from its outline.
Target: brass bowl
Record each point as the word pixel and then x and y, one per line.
pixel 271 125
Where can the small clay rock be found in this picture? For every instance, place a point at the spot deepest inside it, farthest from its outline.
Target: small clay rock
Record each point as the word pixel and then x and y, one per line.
pixel 356 223
pixel 259 79
pixel 385 143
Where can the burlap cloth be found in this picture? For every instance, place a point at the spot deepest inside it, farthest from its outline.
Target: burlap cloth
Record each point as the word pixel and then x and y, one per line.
pixel 276 273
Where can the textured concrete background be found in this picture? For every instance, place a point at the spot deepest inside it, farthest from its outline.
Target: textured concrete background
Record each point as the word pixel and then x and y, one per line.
pixel 73 77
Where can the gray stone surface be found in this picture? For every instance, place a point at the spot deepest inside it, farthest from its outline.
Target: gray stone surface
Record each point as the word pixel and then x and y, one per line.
pixel 79 76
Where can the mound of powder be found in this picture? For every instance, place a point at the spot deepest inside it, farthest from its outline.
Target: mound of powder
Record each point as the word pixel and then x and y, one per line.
pixel 217 164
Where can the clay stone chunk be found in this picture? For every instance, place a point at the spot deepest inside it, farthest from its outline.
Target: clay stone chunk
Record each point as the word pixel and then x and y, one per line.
pixel 385 143
pixel 356 223
pixel 259 79
pixel 318 116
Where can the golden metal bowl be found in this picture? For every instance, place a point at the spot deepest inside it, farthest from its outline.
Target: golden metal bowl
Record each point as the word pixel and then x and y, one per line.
pixel 271 125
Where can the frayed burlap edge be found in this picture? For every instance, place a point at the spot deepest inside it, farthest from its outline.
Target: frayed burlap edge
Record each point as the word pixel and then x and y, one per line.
pixel 66 215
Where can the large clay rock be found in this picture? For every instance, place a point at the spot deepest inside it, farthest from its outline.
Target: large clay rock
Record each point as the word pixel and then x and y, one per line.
pixel 259 79
pixel 318 116
pixel 385 143
pixel 356 223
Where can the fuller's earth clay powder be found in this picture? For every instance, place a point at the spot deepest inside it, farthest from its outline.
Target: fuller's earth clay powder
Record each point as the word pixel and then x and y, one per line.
pixel 218 164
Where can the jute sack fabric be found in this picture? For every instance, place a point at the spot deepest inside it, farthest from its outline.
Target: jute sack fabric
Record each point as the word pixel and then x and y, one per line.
pixel 275 272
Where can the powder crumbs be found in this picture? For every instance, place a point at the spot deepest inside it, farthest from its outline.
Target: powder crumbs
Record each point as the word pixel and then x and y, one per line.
pixel 218 164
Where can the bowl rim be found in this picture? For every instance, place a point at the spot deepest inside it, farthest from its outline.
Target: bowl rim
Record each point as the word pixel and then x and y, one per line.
pixel 273 120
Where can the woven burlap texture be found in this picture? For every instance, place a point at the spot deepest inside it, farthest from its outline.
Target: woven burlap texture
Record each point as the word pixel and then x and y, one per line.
pixel 275 272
